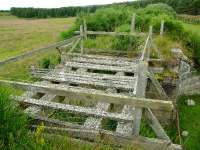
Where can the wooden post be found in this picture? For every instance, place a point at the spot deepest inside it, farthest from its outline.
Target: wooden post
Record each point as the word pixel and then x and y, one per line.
pixel 85 29
pixel 162 27
pixel 81 34
pixel 149 42
pixel 150 31
pixel 133 23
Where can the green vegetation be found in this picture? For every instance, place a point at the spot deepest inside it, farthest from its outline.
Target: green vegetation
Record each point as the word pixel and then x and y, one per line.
pixel 40 32
pixel 19 35
pixel 20 70
pixel 14 134
pixel 189 121
pixel 51 12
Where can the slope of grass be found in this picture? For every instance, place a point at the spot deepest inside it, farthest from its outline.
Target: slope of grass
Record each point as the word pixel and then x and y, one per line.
pixel 190 121
pixel 20 35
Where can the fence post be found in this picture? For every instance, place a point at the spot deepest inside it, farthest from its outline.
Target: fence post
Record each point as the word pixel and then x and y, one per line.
pixel 82 35
pixel 162 27
pixel 149 42
pixel 133 23
pixel 85 29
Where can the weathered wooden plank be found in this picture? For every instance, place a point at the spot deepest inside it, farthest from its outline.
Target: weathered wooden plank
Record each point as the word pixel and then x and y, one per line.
pixel 75 109
pixel 112 33
pixel 140 92
pixel 91 94
pixel 101 67
pixel 75 45
pixel 115 139
pixel 95 123
pixel 37 109
pixel 155 125
pixel 157 85
pixel 126 128
pixel 89 79
pixel 55 122
pixel 103 60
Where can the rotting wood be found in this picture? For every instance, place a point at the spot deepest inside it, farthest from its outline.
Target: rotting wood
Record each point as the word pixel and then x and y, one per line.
pixel 88 79
pixel 155 125
pixel 140 92
pixel 94 95
pixel 101 67
pixel 75 109
pixel 112 33
pixel 157 85
pixel 115 139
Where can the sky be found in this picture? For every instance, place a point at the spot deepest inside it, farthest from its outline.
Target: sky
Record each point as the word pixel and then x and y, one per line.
pixel 7 4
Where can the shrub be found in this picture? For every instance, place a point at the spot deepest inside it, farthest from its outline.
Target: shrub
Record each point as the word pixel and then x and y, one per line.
pixel 126 43
pixel 50 62
pixel 45 63
pixel 152 15
pixel 69 33
pixel 14 134
pixel 106 19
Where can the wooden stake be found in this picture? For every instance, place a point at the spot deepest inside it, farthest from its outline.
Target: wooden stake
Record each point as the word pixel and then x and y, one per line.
pixel 85 29
pixel 150 31
pixel 133 23
pixel 162 27
pixel 82 35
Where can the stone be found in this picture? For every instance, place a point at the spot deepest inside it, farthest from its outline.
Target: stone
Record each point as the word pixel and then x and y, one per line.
pixel 185 133
pixel 176 50
pixel 191 102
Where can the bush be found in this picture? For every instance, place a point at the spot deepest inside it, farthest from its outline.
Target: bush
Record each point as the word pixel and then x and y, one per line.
pixel 50 62
pixel 106 19
pixel 45 63
pixel 126 43
pixel 69 33
pixel 14 134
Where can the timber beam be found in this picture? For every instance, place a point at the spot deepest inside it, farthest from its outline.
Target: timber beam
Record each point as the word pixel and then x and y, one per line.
pixel 94 95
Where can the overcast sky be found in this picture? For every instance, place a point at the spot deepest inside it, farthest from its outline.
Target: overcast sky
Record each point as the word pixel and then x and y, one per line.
pixel 7 4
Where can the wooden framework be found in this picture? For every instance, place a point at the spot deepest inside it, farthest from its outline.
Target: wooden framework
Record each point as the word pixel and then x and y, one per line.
pixel 106 81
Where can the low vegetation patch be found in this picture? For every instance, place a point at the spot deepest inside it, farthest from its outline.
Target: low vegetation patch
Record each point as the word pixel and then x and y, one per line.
pixel 189 121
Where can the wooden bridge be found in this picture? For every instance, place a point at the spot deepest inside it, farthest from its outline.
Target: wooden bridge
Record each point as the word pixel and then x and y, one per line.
pixel 105 81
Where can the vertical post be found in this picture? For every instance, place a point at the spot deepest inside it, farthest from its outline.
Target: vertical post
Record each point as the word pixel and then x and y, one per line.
pixel 162 27
pixel 133 23
pixel 82 35
pixel 150 31
pixel 140 92
pixel 85 29
pixel 149 42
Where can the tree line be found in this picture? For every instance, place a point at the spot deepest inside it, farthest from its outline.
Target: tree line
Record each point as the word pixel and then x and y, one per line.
pixel 181 6
pixel 52 12
pixel 191 7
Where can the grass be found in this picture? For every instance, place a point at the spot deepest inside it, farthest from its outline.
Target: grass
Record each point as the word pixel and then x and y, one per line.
pixel 19 71
pixel 20 35
pixel 189 121
pixel 192 27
